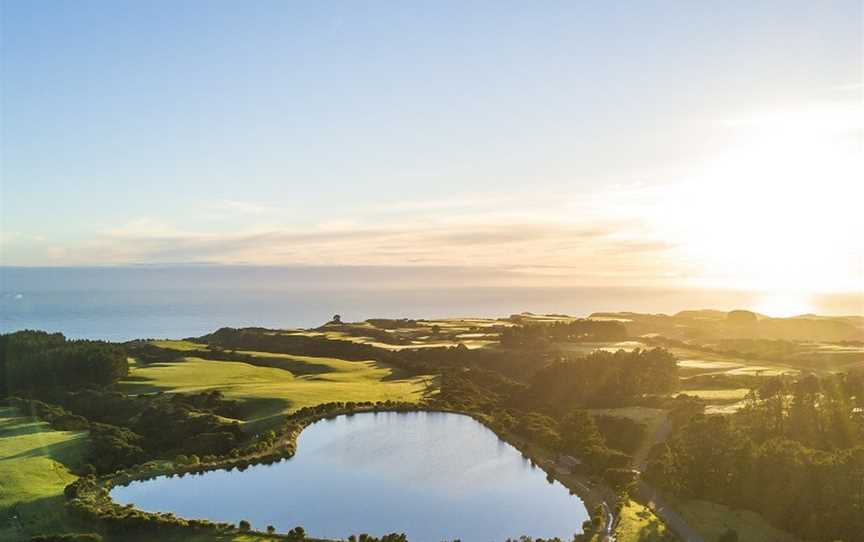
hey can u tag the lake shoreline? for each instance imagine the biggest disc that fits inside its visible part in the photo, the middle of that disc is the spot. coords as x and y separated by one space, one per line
100 503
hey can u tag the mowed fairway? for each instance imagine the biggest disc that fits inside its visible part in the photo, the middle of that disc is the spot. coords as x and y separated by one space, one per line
268 392
33 473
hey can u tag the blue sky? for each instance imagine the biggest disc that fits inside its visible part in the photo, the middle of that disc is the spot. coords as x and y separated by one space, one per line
544 136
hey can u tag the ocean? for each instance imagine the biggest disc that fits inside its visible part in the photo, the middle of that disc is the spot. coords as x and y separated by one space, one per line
126 303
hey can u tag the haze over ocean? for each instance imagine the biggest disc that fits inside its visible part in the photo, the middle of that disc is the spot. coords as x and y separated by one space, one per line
124 303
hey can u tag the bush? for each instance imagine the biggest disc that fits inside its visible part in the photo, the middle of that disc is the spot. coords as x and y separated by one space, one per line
297 534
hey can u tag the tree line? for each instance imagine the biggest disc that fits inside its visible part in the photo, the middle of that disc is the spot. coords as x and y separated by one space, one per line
537 335
602 379
34 360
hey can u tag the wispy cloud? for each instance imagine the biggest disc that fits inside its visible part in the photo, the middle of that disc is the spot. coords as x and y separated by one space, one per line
779 205
516 246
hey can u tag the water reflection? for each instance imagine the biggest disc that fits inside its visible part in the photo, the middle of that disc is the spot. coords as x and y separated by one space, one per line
434 476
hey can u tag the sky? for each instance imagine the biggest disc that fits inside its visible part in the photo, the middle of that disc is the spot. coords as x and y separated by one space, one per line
592 143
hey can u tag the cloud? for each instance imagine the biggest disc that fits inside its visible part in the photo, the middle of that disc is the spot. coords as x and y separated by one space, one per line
562 250
777 205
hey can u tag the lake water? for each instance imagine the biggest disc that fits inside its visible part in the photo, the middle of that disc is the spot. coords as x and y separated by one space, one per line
433 476
173 302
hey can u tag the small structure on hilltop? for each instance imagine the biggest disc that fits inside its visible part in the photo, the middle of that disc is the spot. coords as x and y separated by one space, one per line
337 319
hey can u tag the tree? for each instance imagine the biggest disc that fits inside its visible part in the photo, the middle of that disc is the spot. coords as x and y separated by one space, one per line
579 432
244 526
271 529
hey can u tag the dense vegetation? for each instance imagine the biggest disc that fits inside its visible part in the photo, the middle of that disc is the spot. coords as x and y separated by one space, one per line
795 454
602 379
36 360
127 430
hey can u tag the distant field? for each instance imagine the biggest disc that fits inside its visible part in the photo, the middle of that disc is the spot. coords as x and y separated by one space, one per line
694 363
33 473
588 347
711 520
725 408
451 335
178 345
268 391
721 401
731 394
694 367
700 364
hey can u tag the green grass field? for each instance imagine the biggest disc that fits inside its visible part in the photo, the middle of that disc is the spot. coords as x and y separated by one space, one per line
268 392
711 520
639 524
34 462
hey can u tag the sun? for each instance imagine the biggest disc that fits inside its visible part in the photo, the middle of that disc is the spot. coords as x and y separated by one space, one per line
777 211
784 304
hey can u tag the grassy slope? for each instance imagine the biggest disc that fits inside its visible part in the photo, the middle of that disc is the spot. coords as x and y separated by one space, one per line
269 391
712 520
33 473
639 524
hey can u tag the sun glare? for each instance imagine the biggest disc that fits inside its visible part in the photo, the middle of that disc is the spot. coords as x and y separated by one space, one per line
778 211
784 304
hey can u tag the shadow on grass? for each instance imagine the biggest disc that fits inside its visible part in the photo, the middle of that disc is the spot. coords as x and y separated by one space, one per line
16 427
253 409
395 374
68 452
45 515
294 366
653 530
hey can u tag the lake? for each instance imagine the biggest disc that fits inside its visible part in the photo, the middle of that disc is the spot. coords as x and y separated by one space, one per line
434 476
